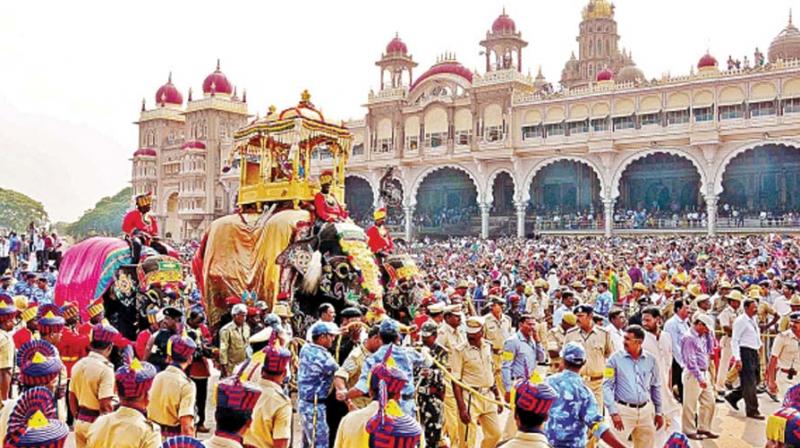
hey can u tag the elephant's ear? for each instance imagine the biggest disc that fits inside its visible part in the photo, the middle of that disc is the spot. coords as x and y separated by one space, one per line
313 274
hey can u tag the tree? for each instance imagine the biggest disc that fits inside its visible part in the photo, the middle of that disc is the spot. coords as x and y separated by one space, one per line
18 210
104 219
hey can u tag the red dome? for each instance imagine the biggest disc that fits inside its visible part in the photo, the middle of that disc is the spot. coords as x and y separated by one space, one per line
451 67
145 152
217 82
707 61
605 75
168 93
504 24
396 46
193 144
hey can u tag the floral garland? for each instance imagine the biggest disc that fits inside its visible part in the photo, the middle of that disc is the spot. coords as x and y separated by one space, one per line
352 240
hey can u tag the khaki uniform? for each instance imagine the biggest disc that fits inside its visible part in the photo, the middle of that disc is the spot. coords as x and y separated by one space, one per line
725 319
528 440
5 414
449 338
787 349
599 347
124 428
496 331
6 350
233 342
221 442
350 371
352 431
92 381
172 396
474 367
554 343
272 418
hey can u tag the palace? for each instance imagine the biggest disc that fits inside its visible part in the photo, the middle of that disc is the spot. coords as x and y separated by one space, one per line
607 150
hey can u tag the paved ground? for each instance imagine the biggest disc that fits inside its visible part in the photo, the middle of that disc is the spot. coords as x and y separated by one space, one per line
736 430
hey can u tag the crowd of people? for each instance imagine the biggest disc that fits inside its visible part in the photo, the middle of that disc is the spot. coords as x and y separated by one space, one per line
556 341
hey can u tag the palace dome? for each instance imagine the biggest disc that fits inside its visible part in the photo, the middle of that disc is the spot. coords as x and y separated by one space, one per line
168 93
707 61
145 152
786 44
451 67
630 73
396 46
605 75
217 82
304 109
504 24
193 144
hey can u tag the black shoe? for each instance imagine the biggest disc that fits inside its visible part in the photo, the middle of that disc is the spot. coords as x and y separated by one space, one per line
720 398
694 436
773 397
728 386
756 416
760 389
732 403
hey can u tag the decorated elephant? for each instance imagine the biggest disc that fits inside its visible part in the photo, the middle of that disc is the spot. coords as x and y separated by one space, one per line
100 268
403 287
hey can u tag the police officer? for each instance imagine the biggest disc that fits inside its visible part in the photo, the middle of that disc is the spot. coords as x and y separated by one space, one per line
234 413
575 410
431 390
598 345
555 340
156 348
522 352
347 375
498 329
91 390
127 427
532 403
784 362
314 379
449 335
173 394
233 339
471 364
272 420
725 320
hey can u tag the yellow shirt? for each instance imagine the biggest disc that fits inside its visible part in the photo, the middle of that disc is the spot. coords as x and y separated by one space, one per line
233 342
497 330
172 396
272 417
598 346
6 350
352 431
92 380
351 370
124 428
449 337
528 440
787 350
473 365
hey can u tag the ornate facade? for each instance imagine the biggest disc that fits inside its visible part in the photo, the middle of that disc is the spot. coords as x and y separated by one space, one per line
183 150
504 142
506 130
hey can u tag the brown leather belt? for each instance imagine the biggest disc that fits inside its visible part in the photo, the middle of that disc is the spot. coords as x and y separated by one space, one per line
593 378
87 415
170 431
632 405
786 371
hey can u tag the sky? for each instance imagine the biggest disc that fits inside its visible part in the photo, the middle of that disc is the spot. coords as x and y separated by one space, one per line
73 74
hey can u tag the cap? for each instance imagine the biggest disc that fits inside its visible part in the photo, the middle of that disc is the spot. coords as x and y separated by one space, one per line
754 293
321 328
474 325
7 308
784 427
452 309
705 319
237 396
436 308
252 311
38 363
21 302
497 299
577 285
794 316
282 310
182 442
573 353
276 358
29 313
135 378
591 278
694 290
640 287
239 308
232 300
50 320
261 336
429 328
583 308
792 397
181 348
677 440
389 326
379 214
96 307
535 398
795 300
570 318
34 423
462 284
390 428
701 298
69 310
735 295
540 283
351 313
172 312
103 333
325 177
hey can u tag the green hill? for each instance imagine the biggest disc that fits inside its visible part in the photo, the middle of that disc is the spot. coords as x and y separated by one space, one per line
18 210
104 219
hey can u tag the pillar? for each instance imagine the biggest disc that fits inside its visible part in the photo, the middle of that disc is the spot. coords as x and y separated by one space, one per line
409 211
608 208
711 213
485 207
520 208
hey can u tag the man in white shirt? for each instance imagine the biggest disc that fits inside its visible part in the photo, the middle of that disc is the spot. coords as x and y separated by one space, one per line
615 328
745 343
677 326
725 320
5 254
659 343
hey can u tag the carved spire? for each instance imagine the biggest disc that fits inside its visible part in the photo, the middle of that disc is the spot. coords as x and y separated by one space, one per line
244 95
169 77
217 64
143 107
190 94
